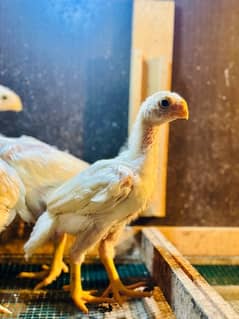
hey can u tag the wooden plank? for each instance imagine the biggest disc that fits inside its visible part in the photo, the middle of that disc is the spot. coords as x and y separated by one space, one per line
151 68
153 29
229 292
136 83
204 241
159 77
185 289
213 260
160 305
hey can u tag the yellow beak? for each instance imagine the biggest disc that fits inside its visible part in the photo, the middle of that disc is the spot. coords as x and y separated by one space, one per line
185 112
180 110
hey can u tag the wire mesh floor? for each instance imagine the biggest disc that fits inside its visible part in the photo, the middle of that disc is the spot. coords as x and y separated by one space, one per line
220 274
225 279
17 294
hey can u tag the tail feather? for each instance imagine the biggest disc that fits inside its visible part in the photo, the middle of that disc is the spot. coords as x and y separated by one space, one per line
41 233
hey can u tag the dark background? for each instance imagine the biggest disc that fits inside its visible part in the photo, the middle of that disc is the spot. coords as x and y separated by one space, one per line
69 61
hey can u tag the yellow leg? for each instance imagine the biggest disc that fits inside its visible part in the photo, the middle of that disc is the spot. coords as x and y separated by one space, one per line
119 290
56 267
79 296
4 310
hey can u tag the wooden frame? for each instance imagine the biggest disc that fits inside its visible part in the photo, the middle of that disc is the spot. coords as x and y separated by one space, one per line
205 245
186 291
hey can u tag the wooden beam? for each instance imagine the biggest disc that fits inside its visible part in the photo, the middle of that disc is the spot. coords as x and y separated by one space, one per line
136 83
159 77
204 241
153 28
151 68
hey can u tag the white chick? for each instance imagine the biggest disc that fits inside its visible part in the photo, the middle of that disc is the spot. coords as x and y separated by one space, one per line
98 203
34 169
10 184
41 168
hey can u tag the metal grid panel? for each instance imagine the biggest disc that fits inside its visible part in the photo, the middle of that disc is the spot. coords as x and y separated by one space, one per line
220 274
17 294
225 278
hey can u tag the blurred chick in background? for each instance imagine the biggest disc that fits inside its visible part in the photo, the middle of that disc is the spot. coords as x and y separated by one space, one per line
41 168
29 171
10 184
98 203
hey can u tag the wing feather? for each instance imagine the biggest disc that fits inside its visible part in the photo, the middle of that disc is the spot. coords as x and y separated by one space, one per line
90 193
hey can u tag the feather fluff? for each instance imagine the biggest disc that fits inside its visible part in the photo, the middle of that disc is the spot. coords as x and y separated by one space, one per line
40 168
42 232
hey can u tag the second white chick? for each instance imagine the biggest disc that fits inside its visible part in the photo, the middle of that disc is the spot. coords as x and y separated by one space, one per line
40 168
29 171
97 204
10 184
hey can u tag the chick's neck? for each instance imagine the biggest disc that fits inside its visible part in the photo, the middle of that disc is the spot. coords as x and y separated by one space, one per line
144 145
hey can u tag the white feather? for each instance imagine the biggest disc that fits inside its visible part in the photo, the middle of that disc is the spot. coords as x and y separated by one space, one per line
41 233
41 168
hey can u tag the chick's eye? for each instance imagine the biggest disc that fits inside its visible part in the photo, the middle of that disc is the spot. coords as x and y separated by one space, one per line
165 103
4 97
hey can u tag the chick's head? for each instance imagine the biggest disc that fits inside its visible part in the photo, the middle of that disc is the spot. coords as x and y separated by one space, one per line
9 100
164 106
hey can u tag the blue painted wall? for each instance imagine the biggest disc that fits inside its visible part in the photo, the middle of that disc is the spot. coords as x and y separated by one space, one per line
69 61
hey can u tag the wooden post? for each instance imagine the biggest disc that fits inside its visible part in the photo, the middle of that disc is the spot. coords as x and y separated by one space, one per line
151 61
159 78
136 82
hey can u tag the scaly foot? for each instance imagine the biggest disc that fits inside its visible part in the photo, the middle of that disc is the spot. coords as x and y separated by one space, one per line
122 292
81 298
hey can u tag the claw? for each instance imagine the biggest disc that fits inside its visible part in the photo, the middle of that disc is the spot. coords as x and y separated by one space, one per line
51 276
139 284
118 289
48 275
65 268
122 292
81 298
35 275
80 304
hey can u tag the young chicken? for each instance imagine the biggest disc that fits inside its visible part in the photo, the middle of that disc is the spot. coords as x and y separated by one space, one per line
29 171
97 203
10 184
41 168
